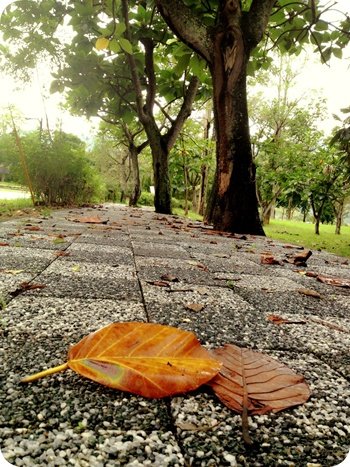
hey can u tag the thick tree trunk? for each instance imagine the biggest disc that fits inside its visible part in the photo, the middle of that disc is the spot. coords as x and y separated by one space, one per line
162 194
233 205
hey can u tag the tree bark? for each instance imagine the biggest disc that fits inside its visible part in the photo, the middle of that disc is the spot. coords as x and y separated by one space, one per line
339 216
233 205
135 177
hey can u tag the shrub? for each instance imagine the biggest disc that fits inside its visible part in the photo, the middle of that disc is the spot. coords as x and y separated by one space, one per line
60 171
146 199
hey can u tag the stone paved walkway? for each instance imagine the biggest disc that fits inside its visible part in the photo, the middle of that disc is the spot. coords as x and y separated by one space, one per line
95 274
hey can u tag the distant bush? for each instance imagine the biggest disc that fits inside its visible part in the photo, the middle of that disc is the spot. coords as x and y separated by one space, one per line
180 203
146 199
60 171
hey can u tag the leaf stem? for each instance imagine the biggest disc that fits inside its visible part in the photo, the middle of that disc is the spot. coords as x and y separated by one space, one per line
245 427
41 374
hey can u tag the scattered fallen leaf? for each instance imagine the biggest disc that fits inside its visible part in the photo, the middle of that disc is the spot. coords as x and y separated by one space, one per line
335 281
13 271
311 274
269 259
309 293
194 307
253 383
89 220
197 264
279 320
276 319
75 268
4 244
148 359
24 286
300 258
159 283
33 228
58 240
328 324
169 278
61 253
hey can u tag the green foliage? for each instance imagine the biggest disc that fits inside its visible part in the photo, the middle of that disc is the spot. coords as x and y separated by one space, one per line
146 199
58 167
302 233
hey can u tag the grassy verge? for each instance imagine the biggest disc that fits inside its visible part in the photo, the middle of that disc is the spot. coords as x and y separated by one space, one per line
301 233
10 207
191 215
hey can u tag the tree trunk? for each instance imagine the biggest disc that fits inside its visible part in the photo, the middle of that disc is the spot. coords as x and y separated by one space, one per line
162 189
233 205
135 191
226 47
339 216
317 225
203 189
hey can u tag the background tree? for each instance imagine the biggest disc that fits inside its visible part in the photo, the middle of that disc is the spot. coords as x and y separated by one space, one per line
92 66
226 35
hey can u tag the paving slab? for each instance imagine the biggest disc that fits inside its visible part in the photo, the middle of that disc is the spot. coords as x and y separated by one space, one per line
136 265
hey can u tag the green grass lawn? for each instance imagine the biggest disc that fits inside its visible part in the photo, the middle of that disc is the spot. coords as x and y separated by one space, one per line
9 207
301 233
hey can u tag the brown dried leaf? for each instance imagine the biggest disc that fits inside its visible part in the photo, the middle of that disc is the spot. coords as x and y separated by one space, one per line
33 228
4 244
310 293
90 220
301 258
269 259
159 283
276 319
198 264
169 278
253 383
310 274
194 307
30 286
335 281
61 253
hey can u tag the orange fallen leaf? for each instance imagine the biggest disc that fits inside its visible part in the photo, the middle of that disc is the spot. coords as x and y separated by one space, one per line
148 359
4 244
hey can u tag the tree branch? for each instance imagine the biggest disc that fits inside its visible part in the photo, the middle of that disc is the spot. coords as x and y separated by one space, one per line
184 113
256 21
132 63
186 25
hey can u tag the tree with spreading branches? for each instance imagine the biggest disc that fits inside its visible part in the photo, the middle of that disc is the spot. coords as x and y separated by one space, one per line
233 38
